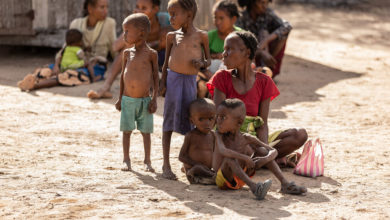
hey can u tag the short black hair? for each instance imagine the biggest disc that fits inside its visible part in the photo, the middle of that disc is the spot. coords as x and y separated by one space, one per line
73 36
232 103
228 6
250 41
187 5
139 20
205 103
247 3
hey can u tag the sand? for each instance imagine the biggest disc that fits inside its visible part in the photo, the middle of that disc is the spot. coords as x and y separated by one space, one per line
61 153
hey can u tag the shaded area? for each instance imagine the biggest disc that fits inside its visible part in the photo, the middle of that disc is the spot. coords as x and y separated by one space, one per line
301 79
244 204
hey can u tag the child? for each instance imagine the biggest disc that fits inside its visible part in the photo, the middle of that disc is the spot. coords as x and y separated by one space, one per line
73 58
235 169
139 75
198 147
225 15
186 51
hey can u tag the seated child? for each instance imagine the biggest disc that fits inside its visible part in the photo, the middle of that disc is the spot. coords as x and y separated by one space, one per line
73 58
197 150
233 153
139 75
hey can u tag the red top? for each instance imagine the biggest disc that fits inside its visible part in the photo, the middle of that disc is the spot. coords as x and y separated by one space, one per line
263 88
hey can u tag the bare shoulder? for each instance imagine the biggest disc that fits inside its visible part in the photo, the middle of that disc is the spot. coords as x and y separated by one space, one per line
152 52
201 33
171 35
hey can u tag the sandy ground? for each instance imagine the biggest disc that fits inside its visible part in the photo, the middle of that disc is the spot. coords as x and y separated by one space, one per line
61 153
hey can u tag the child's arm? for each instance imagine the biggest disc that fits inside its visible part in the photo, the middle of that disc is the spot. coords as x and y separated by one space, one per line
170 37
206 62
254 141
153 103
225 152
262 132
122 86
183 155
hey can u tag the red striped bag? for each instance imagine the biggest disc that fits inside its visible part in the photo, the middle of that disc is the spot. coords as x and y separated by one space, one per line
311 163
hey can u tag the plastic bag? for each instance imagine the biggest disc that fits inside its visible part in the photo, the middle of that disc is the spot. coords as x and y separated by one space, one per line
311 162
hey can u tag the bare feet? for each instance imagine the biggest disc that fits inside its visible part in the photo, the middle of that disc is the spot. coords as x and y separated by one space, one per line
27 83
99 94
149 168
168 174
126 165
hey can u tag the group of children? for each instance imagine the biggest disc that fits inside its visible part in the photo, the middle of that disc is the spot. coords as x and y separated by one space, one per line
225 157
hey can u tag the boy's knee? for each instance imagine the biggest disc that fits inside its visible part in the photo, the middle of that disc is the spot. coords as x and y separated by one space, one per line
145 134
127 132
261 151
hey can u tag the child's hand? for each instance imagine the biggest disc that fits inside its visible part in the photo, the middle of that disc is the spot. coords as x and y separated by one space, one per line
162 88
118 105
152 106
198 63
250 163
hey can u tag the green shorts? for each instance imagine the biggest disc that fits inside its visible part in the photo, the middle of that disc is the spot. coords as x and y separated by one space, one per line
135 114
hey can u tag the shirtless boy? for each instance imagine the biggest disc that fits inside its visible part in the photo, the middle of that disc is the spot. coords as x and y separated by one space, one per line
187 50
139 75
233 152
197 150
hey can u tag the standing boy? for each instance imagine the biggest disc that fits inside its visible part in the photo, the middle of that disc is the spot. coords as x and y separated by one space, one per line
139 75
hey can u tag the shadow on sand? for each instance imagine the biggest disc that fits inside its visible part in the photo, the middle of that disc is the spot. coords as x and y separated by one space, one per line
211 200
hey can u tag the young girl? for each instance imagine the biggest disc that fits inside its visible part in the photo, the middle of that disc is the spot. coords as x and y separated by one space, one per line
187 51
225 15
271 32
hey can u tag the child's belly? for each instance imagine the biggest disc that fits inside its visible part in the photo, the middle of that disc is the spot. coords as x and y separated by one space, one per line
180 60
203 157
137 86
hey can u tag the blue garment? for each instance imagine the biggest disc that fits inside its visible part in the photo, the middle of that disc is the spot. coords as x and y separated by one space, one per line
98 69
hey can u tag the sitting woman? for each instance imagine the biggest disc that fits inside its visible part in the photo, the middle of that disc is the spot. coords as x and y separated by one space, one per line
160 26
225 15
271 32
98 35
256 90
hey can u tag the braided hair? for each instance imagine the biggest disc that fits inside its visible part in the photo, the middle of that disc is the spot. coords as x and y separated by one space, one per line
249 40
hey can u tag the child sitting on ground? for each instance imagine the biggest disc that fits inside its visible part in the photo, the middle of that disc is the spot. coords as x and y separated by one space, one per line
198 147
233 153
139 75
187 51
73 58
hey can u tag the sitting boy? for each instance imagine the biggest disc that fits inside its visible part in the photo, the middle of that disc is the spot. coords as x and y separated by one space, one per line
232 157
197 150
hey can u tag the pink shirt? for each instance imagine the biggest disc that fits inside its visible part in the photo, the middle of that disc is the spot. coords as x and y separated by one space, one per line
263 88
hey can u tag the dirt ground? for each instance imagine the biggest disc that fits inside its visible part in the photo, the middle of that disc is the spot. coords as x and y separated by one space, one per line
61 153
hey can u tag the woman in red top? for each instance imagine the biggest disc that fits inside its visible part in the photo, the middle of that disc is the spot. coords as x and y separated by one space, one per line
256 90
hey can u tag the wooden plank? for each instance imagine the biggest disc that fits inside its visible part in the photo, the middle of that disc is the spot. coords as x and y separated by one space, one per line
15 17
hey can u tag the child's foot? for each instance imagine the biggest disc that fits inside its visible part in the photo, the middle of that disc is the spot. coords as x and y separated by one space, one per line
292 188
27 83
262 189
126 165
149 168
99 94
168 174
